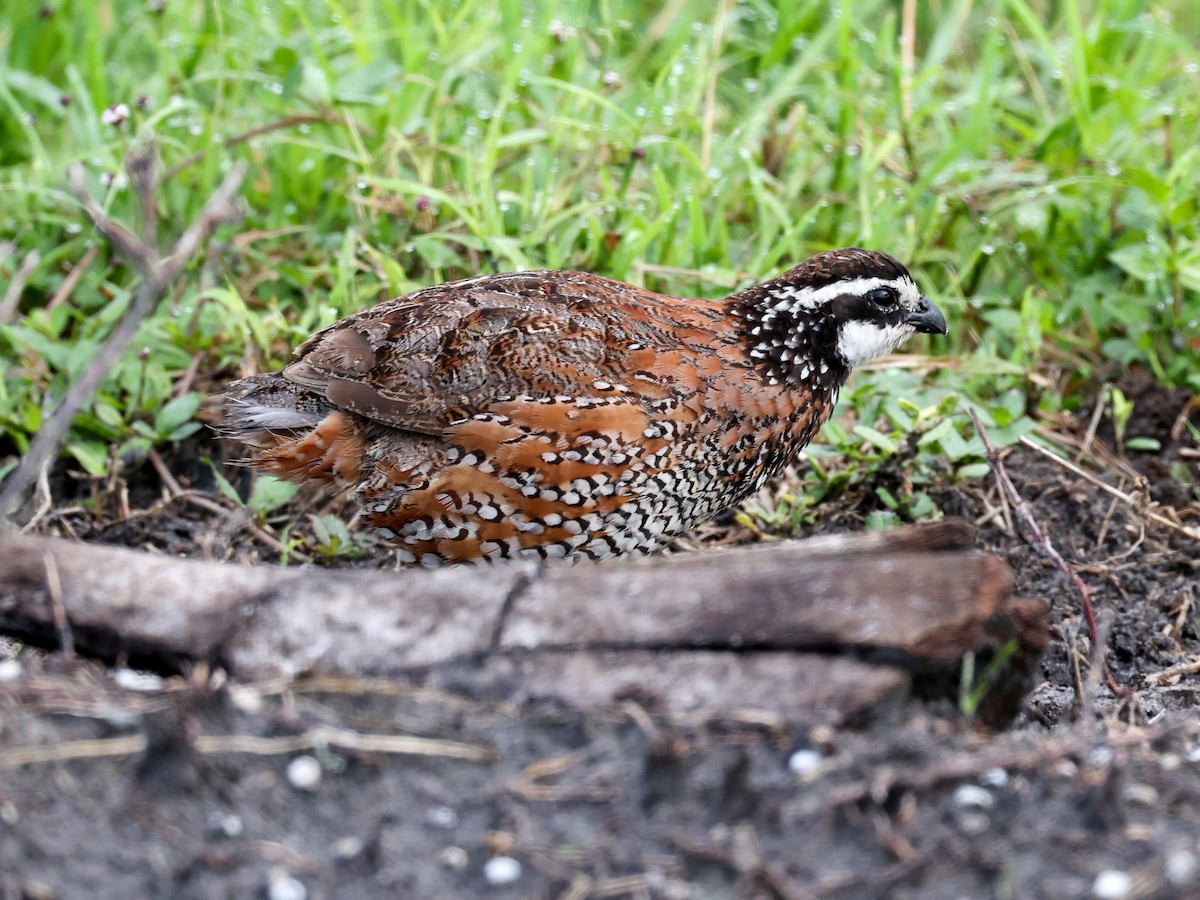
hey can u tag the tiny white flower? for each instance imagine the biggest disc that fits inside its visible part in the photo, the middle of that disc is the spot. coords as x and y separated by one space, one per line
118 181
115 115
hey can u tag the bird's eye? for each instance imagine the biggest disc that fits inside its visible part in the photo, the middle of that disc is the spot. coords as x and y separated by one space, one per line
883 297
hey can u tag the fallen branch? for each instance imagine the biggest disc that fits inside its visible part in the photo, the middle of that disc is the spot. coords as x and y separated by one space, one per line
157 276
850 617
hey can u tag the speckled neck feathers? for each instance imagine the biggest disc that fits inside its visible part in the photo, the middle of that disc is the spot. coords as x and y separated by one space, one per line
792 323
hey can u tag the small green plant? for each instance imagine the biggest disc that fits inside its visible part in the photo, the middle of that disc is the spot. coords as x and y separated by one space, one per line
884 464
267 495
333 540
267 502
1122 410
973 687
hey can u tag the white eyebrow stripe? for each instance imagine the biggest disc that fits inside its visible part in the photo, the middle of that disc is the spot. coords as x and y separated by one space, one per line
792 298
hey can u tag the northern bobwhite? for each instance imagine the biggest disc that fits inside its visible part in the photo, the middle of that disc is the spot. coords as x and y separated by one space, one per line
565 415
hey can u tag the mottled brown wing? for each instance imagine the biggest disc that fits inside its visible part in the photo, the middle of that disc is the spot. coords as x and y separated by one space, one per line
448 352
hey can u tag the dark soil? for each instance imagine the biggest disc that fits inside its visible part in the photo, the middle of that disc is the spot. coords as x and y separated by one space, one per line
1090 793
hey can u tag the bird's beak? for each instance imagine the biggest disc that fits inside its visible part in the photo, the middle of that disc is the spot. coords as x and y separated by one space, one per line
927 318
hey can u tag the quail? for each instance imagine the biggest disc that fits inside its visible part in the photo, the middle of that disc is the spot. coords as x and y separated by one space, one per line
560 414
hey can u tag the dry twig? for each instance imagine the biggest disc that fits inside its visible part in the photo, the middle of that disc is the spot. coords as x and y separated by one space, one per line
213 744
12 296
66 639
1164 677
63 294
964 766
157 275
1040 541
1134 503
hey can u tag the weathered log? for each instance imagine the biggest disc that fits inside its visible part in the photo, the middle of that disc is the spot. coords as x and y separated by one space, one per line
760 626
793 687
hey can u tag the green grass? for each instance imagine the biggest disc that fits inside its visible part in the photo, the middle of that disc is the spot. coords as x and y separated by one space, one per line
1044 182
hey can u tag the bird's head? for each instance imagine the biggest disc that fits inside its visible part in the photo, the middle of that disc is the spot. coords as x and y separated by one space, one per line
832 312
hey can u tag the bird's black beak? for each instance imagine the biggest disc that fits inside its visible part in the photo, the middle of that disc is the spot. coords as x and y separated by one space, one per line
927 318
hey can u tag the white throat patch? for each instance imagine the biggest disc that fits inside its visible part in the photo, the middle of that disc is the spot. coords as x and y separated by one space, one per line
859 342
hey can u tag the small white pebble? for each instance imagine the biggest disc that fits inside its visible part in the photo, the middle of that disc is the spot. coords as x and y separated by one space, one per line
287 889
283 886
246 699
10 670
454 858
973 822
441 817
501 870
304 772
1065 768
1180 868
1100 757
972 796
1112 885
347 848
1193 755
994 778
9 814
225 824
1140 795
804 761
138 681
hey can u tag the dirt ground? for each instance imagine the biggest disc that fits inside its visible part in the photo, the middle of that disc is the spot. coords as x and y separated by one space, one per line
1088 794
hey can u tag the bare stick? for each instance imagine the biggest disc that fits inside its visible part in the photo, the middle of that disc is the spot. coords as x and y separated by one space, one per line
157 275
66 639
1040 541
1094 424
142 166
120 238
1165 676
213 744
325 736
72 280
12 296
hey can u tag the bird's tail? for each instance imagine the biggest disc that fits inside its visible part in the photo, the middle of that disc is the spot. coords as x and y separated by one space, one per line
296 433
